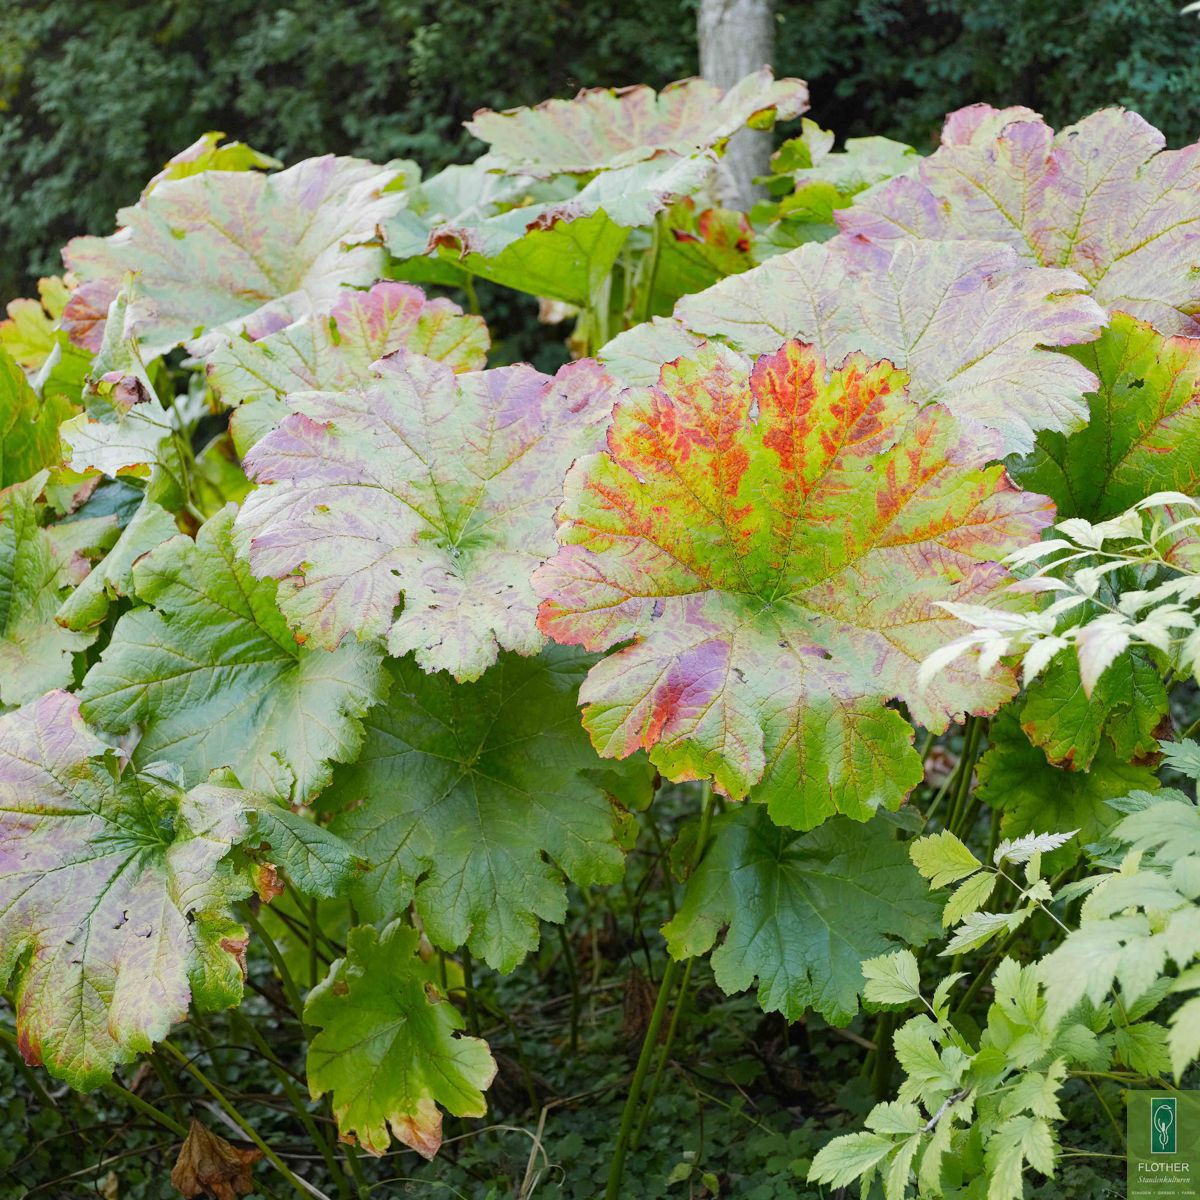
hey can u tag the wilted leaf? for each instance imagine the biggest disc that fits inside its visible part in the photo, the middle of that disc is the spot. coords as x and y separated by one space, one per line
208 1165
1101 197
604 128
803 910
388 1047
37 568
225 251
475 800
968 322
1143 435
1036 797
772 541
332 351
212 677
437 487
114 899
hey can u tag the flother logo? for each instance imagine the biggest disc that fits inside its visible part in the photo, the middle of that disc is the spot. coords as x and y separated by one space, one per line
1164 1125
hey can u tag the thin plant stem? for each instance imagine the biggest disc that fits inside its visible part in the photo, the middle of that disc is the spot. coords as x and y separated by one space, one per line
314 924
146 1108
297 1102
568 955
469 988
616 1171
663 1056
236 1117
281 968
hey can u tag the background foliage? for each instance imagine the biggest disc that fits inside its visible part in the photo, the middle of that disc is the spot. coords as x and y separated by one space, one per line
96 94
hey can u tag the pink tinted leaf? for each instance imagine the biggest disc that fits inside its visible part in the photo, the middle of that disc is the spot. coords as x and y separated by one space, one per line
1102 198
114 895
223 251
427 485
612 127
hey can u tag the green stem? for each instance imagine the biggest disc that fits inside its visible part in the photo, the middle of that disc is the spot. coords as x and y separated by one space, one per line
616 1171
663 1056
146 1109
568 954
281 969
469 987
966 768
236 1117
314 924
297 1102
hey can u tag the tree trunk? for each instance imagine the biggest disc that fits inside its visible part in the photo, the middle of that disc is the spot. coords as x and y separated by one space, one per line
737 37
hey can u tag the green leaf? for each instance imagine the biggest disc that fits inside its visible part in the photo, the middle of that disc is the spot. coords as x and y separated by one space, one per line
388 1048
316 860
1019 1141
29 334
112 577
562 247
213 678
1036 797
437 486
803 910
207 153
37 568
1127 705
942 858
765 544
892 978
1143 432
840 1162
475 800
28 426
114 895
1142 1047
969 898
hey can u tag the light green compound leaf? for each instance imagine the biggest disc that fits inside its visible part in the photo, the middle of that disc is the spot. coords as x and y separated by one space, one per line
968 322
1143 433
767 543
603 128
1020 1141
1036 797
840 1162
942 858
37 569
475 800
892 978
225 251
332 351
388 1049
421 483
803 910
213 678
28 426
114 895
969 898
1126 708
